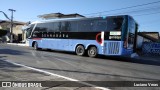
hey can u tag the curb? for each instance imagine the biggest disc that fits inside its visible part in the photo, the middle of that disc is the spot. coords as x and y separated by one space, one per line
19 44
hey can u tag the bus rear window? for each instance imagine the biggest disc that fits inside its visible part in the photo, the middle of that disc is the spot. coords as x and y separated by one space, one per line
114 23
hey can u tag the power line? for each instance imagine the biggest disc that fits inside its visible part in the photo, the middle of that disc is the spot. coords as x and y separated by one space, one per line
140 5
5 15
148 14
144 11
135 11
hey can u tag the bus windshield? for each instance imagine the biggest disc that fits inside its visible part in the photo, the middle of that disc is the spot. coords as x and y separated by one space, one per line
29 30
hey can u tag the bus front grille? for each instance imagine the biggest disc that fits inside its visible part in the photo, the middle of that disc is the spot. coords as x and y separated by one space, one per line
113 48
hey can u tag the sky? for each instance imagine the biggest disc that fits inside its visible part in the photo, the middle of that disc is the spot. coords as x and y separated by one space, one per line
147 16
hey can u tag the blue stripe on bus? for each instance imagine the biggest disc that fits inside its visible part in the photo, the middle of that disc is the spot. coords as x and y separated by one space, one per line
109 48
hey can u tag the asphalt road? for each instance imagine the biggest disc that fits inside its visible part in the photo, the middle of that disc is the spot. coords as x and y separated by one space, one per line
83 68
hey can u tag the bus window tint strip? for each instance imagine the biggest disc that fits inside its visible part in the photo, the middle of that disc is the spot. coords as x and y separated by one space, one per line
88 25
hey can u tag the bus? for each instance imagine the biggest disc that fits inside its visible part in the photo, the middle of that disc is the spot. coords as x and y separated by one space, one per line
109 36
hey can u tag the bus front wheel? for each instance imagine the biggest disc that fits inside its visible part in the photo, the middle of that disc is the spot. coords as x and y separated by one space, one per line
92 52
35 46
80 50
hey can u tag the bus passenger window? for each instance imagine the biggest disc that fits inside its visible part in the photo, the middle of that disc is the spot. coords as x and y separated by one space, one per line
41 27
49 27
101 26
65 26
73 26
85 26
56 26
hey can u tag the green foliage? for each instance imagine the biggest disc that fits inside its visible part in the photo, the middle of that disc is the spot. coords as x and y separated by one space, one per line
3 32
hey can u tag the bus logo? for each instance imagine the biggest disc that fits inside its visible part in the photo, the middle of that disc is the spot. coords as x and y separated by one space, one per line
101 41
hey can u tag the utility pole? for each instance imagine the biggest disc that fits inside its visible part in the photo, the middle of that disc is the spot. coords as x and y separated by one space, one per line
11 29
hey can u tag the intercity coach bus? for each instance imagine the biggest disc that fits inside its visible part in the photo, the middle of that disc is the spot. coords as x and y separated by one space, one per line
110 35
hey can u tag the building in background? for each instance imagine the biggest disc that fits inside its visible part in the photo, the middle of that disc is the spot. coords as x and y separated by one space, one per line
147 37
60 15
18 34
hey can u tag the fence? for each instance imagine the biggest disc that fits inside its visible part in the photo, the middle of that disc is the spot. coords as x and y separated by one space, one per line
151 48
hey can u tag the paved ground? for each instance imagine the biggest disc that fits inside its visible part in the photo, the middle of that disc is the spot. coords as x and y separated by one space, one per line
76 67
12 72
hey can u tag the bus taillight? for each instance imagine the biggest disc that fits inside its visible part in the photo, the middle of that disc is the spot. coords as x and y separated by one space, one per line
125 44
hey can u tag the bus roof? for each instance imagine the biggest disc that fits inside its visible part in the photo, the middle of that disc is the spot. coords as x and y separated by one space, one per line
79 18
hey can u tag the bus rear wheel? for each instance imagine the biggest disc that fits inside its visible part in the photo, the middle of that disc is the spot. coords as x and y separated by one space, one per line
92 51
80 50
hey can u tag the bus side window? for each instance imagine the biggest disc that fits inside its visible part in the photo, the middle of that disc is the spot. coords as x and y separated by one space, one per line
73 26
65 26
41 27
101 26
49 27
132 27
85 25
56 26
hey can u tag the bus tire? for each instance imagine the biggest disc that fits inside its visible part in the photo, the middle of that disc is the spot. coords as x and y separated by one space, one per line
80 50
35 46
92 51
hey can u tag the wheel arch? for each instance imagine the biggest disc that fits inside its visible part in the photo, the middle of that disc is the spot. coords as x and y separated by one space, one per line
92 45
78 45
33 43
